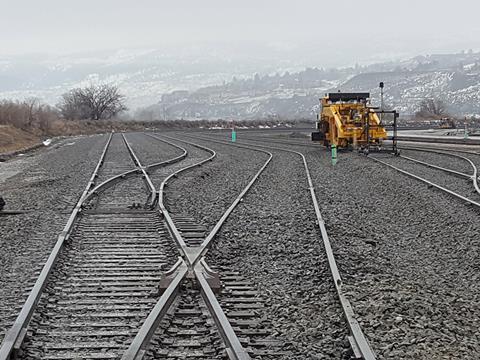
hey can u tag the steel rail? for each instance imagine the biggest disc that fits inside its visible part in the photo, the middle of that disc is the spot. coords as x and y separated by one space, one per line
439 148
139 345
114 179
186 251
429 183
137 348
146 178
171 161
450 171
473 177
203 249
15 336
359 344
438 140
235 350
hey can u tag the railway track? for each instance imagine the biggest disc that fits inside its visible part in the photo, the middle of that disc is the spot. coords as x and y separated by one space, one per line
100 283
169 340
360 346
98 296
470 158
468 194
430 348
97 282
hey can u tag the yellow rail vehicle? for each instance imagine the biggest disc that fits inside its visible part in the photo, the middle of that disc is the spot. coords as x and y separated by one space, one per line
346 120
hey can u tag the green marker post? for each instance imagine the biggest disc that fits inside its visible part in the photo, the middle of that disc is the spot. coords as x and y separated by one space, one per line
234 135
334 154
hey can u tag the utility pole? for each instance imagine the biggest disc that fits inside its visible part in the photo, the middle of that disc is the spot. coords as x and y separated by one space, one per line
381 85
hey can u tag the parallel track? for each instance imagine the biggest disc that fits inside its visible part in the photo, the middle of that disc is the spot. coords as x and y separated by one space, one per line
98 295
192 262
360 346
101 280
473 177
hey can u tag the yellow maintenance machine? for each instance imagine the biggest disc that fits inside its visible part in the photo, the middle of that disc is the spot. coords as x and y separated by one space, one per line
346 120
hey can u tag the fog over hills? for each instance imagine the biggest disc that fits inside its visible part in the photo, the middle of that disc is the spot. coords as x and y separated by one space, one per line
207 53
206 83
452 78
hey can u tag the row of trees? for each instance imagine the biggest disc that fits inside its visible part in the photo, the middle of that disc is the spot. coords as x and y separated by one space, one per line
104 102
101 102
28 114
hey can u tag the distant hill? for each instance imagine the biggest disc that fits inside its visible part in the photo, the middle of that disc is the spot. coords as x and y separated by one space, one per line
200 83
453 78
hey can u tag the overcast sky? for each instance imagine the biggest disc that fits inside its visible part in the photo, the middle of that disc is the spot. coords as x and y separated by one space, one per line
339 29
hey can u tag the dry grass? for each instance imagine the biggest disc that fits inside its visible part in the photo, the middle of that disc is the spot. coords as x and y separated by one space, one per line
13 139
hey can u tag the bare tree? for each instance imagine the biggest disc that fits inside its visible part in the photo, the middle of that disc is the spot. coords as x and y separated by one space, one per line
29 115
31 105
432 108
93 102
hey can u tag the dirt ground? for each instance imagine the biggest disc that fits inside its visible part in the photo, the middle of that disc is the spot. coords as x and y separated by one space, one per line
13 139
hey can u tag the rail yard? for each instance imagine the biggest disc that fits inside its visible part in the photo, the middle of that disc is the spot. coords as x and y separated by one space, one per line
187 245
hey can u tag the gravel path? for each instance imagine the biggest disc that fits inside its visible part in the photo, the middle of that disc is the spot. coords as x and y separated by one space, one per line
272 238
48 184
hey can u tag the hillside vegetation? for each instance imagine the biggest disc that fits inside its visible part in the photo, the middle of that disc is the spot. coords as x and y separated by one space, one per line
451 78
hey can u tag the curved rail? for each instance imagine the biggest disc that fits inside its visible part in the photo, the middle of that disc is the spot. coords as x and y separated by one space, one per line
473 177
15 336
429 183
403 147
359 344
447 170
186 251
198 267
146 178
205 245
113 180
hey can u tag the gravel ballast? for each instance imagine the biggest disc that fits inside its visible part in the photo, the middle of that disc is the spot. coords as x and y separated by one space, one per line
48 184
272 238
408 255
449 181
150 150
446 161
206 192
157 175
